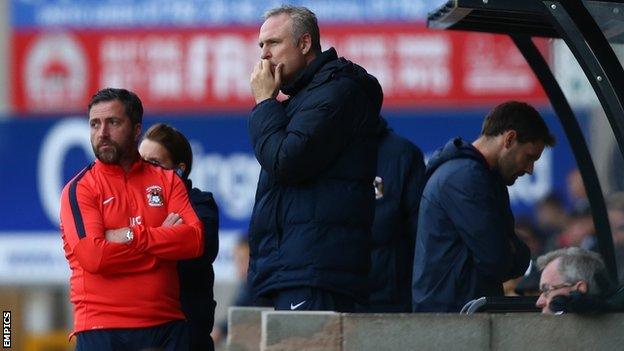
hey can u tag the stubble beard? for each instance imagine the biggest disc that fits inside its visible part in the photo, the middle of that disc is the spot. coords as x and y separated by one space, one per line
113 154
509 179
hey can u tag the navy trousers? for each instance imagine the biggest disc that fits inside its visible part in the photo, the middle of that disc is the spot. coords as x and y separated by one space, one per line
171 336
307 298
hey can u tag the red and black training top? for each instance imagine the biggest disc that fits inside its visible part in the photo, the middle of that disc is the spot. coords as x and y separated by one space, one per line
126 285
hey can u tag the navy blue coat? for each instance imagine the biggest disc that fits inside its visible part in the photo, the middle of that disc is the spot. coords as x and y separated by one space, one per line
197 275
400 177
311 223
466 245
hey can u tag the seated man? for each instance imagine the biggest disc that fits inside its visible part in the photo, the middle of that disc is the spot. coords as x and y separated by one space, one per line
567 270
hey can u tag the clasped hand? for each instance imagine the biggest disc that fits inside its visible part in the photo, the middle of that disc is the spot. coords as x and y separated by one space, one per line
119 235
264 83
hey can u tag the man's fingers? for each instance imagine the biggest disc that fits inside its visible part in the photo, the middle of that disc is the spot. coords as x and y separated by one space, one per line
171 219
263 81
256 71
266 65
278 74
258 67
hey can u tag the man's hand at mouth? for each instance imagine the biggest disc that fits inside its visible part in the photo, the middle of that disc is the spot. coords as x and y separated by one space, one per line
265 80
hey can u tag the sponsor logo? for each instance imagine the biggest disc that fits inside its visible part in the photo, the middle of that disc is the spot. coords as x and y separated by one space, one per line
54 76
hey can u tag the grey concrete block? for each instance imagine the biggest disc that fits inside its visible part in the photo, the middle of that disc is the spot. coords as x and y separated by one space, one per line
303 330
566 332
244 328
421 331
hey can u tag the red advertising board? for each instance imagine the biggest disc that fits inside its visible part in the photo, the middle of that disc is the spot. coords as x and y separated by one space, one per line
208 69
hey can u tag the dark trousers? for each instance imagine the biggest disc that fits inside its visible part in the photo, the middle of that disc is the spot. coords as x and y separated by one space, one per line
199 337
171 336
307 298
199 312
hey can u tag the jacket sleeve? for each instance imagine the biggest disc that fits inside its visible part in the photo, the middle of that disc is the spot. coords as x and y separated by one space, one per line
299 149
82 229
521 257
474 210
208 212
176 242
412 191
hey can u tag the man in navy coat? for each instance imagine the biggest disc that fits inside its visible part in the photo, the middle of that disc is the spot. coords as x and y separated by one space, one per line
466 246
398 185
310 229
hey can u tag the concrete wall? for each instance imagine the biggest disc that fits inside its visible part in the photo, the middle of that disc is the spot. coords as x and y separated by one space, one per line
415 332
567 332
244 328
329 331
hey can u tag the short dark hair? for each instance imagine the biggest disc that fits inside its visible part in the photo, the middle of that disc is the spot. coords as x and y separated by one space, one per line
132 104
303 21
175 142
521 117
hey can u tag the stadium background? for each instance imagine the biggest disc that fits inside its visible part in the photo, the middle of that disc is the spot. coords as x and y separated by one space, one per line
190 62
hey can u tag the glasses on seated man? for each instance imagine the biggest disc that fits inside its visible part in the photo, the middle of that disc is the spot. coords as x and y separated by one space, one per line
565 271
545 289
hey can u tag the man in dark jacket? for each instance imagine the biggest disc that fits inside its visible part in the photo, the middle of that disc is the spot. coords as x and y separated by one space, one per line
310 229
398 186
466 246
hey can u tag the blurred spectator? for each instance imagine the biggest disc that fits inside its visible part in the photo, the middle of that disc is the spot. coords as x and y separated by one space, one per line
576 192
466 245
615 206
526 231
565 271
165 146
310 230
551 218
579 231
398 186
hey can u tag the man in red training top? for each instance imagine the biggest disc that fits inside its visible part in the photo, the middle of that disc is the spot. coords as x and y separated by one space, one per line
124 223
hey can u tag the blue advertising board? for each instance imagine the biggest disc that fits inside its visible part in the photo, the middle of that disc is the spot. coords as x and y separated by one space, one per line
193 13
38 156
41 155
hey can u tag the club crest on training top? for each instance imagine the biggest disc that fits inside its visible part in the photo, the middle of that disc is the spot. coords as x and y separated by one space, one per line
154 195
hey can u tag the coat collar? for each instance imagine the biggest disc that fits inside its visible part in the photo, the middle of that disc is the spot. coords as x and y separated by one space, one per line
307 74
114 169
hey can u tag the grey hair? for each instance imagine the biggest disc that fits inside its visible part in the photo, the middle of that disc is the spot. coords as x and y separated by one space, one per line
575 264
303 21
